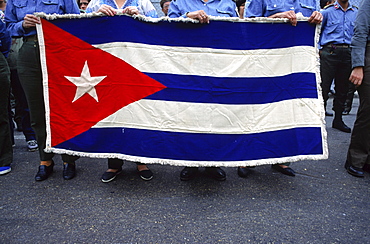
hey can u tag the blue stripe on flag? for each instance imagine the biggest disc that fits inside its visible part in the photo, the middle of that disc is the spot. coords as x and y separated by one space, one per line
261 90
239 35
199 147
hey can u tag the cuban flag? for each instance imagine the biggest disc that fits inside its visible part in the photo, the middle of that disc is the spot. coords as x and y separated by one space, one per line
172 91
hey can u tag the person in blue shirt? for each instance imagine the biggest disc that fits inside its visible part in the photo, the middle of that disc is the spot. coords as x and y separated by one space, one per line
6 149
202 10
358 156
284 9
110 7
21 22
335 55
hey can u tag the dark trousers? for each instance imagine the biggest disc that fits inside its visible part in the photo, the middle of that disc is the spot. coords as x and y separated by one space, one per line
115 163
30 76
359 148
335 64
21 107
349 99
6 149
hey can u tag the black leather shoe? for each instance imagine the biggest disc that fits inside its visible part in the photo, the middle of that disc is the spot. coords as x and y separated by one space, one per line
108 176
216 173
44 172
244 171
329 114
146 174
69 171
340 125
358 172
188 173
285 171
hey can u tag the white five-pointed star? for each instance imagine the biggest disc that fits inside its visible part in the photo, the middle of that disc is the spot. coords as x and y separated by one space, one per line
85 83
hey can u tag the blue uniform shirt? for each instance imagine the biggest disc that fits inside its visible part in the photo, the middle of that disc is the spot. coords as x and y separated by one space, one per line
223 8
337 25
16 10
266 8
145 7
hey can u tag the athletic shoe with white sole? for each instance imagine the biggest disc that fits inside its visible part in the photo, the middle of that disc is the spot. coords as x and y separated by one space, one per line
4 170
32 145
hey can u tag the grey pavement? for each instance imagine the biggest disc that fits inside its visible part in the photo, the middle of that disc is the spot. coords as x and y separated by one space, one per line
322 204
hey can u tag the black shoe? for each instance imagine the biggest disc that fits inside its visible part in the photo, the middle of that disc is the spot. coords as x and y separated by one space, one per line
146 174
340 125
244 171
216 173
44 172
69 171
285 171
188 173
109 176
329 114
358 172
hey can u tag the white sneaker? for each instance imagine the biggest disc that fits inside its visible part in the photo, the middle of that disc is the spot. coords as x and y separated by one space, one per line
32 145
4 170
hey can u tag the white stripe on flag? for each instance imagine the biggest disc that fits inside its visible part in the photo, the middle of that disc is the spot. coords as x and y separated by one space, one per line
225 63
216 118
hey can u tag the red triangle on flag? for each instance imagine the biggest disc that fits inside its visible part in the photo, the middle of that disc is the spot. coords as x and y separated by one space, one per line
66 56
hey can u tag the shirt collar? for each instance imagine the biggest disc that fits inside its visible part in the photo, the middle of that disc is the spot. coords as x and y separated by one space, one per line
337 6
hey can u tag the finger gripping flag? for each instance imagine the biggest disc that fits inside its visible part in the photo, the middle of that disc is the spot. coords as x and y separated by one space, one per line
173 91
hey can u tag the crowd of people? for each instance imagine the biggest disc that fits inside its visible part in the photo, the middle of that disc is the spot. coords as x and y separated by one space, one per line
344 60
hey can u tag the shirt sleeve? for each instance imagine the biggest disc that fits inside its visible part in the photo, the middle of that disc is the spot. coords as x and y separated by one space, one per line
5 40
323 24
14 14
93 6
71 7
13 24
174 10
361 35
254 9
147 9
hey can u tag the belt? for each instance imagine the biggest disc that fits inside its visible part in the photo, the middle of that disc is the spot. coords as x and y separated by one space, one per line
337 45
32 38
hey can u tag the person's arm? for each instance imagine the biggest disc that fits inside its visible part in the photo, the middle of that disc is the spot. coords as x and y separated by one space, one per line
174 10
287 14
359 40
357 75
315 18
5 40
20 20
323 26
14 25
360 36
199 15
